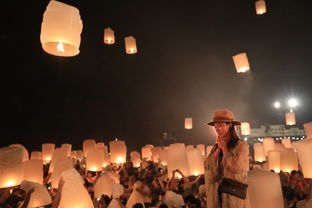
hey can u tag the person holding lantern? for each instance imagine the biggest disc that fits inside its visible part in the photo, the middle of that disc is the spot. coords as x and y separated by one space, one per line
227 161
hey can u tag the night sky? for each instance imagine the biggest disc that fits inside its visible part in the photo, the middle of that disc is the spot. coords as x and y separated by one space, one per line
183 68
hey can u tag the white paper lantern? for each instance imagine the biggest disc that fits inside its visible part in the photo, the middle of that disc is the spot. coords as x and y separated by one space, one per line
268 144
74 194
290 118
260 7
264 189
109 37
95 159
289 160
274 160
304 153
163 157
188 123
118 151
130 43
68 148
202 149
60 166
79 155
147 152
195 161
40 197
208 149
11 166
87 145
106 158
100 144
59 153
308 129
279 146
103 186
245 128
177 159
25 151
259 155
36 155
241 62
113 175
286 142
60 29
155 154
135 159
73 154
47 151
33 171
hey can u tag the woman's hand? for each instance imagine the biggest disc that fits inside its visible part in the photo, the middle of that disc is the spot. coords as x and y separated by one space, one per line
222 145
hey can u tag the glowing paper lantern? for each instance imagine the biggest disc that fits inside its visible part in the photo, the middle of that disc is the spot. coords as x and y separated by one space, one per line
177 159
74 194
289 160
135 159
195 161
118 151
40 197
308 129
109 37
260 7
35 155
59 153
25 151
79 155
208 149
163 157
202 149
290 118
279 146
68 148
245 128
87 145
287 143
33 171
304 154
115 176
73 154
268 144
11 166
60 166
47 151
188 123
100 144
60 29
264 189
274 160
241 62
147 152
155 153
130 43
106 158
95 159
103 186
259 155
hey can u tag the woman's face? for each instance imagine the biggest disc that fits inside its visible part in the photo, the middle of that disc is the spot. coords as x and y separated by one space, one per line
222 129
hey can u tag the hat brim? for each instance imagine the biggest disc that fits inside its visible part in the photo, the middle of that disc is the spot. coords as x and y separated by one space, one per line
224 121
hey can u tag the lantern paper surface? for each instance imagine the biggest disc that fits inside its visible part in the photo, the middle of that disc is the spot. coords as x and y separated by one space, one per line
109 36
279 146
115 176
245 128
163 157
59 153
286 142
188 123
68 148
264 189
155 153
74 194
177 159
33 171
202 149
147 152
95 159
289 160
260 7
130 43
103 186
47 151
274 160
60 166
100 144
195 161
118 151
308 129
79 155
290 118
87 145
40 197
36 155
11 166
73 154
60 29
25 151
106 159
135 159
241 63
268 144
304 154
259 155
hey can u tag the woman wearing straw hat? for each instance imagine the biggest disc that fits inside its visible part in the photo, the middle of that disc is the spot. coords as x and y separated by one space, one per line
228 159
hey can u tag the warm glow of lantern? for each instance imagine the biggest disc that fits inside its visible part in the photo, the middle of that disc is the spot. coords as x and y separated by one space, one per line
95 159
61 165
109 37
35 155
25 151
245 128
274 160
304 154
135 159
59 153
188 123
47 151
103 186
260 7
147 152
155 153
60 29
33 171
87 145
201 148
40 197
289 160
118 151
130 43
177 159
259 155
241 62
268 144
163 157
290 118
195 161
68 148
308 129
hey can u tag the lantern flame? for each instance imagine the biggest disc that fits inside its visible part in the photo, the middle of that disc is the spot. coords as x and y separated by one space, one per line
120 160
10 183
60 47
93 169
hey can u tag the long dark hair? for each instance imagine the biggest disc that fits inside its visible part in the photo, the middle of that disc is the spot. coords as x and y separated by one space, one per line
234 137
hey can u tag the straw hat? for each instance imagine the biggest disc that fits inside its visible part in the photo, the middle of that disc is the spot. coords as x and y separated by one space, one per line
223 116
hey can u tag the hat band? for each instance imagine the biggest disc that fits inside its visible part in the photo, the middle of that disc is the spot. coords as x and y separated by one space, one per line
216 119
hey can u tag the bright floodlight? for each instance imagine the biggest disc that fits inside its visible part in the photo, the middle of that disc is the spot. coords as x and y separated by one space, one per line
277 105
292 103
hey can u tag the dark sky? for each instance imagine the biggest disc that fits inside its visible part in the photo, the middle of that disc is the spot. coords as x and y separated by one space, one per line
183 68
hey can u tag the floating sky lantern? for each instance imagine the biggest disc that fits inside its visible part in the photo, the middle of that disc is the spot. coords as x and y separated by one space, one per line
289 160
286 142
59 153
260 7
25 151
131 47
163 157
304 153
290 118
245 128
177 159
241 62
36 155
308 129
188 123
195 161
118 151
274 160
60 166
155 153
33 171
268 144
135 159
103 186
60 29
259 155
95 159
106 159
47 151
109 37
147 152
87 145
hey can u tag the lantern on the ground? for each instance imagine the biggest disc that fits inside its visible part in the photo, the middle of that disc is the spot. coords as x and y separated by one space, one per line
308 129
109 37
241 62
25 151
289 160
103 186
268 144
95 159
147 152
40 197
259 155
195 161
290 118
74 194
177 159
245 128
260 7
47 151
130 43
11 166
33 171
274 160
304 153
118 151
35 155
87 145
264 189
60 29
60 166
286 142
188 123
202 149
135 159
